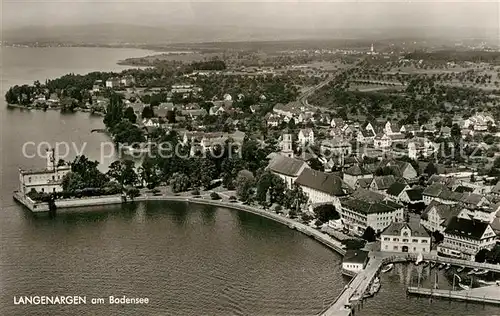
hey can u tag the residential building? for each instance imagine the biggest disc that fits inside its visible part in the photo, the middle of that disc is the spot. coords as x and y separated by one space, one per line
47 180
391 128
463 238
357 214
354 173
127 81
321 187
113 83
354 261
396 192
306 136
382 141
336 146
382 183
401 169
437 215
405 237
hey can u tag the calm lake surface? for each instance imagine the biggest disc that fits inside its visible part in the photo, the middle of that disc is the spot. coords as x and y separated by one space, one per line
187 259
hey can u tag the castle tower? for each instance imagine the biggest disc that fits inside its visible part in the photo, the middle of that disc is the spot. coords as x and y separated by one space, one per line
286 145
51 159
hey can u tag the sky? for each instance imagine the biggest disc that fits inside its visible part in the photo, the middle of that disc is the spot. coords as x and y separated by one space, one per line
361 14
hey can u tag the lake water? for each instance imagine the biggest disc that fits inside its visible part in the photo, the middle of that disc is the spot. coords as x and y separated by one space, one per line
187 259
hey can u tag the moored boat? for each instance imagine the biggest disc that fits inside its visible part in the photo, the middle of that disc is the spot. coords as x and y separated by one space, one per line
488 282
464 287
482 272
420 258
426 263
447 266
441 266
460 269
387 268
433 264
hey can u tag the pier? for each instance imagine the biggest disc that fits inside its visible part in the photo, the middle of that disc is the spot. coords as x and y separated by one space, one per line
487 294
353 292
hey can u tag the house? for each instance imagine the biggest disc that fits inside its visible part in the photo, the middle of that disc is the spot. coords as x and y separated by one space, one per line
396 191
137 107
98 84
365 136
391 128
336 146
382 141
412 196
354 173
405 237
419 146
382 183
113 83
127 81
151 122
409 129
337 122
306 136
216 110
47 180
401 169
287 168
195 114
437 215
354 262
358 214
445 132
463 238
321 187
479 122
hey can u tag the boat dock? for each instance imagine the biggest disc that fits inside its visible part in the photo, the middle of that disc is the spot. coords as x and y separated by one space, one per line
487 294
353 292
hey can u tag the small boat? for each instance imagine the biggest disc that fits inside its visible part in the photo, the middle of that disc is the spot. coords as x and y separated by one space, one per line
420 258
482 272
374 288
460 269
447 266
471 272
488 282
426 263
464 287
441 266
433 264
387 268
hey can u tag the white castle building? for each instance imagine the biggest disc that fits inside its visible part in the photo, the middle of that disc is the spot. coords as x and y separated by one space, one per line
47 180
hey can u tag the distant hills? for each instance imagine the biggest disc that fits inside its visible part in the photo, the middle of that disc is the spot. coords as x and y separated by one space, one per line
119 34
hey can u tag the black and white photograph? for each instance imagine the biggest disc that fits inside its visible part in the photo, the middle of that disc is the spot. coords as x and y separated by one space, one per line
249 158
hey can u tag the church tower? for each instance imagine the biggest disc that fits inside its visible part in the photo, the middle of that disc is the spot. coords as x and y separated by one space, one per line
286 145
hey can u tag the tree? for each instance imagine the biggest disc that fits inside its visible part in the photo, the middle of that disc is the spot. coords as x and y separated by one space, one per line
270 189
127 133
430 169
170 116
494 255
326 212
244 185
147 112
455 131
315 164
438 237
123 172
89 174
130 115
148 174
72 181
180 182
114 111
295 199
481 255
496 163
369 234
354 244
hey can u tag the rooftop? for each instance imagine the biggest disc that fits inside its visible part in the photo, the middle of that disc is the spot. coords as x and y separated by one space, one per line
395 230
324 182
286 165
466 228
355 256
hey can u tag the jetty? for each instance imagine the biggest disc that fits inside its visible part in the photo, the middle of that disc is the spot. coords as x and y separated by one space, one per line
486 295
353 292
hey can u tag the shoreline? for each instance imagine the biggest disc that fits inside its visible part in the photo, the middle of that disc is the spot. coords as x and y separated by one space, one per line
321 237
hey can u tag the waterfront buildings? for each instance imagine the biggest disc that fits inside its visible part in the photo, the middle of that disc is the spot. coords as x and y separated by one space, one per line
354 261
322 187
47 180
358 214
436 216
405 237
287 168
463 238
